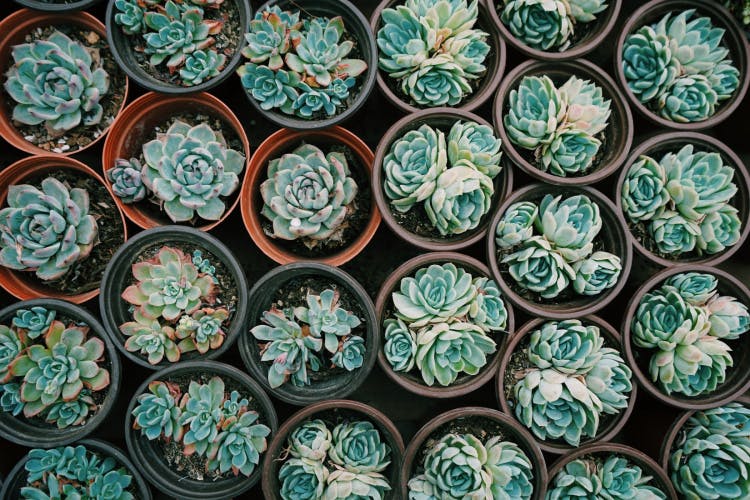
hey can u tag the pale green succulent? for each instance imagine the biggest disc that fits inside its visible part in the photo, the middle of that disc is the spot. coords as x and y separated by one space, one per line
571 152
272 89
174 32
201 66
648 63
570 224
203 330
539 268
488 309
351 354
111 486
694 41
158 413
325 318
474 145
578 479
10 399
695 288
35 321
664 319
611 380
598 272
692 369
535 110
343 484
69 413
568 346
621 478
129 16
358 447
310 441
420 488
729 317
725 79
150 338
201 415
540 24
438 81
719 230
400 346
454 467
462 196
510 469
588 111
12 342
644 192
673 233
448 17
689 99
126 180
268 40
404 39
239 444
302 479
516 225
585 10
469 49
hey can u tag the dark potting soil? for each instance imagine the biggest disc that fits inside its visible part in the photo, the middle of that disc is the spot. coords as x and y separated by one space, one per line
354 224
82 135
86 274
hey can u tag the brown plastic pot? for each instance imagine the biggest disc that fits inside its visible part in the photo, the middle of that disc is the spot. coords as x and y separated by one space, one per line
20 284
495 63
277 451
615 425
649 466
738 377
278 144
14 28
512 431
619 131
734 40
598 31
134 127
671 142
613 236
413 382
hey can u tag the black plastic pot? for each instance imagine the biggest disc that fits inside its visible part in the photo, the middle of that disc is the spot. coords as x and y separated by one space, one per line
118 275
121 50
57 7
40 435
335 387
17 477
356 24
147 454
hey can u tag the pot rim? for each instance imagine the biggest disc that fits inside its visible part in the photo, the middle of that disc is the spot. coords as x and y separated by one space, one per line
61 8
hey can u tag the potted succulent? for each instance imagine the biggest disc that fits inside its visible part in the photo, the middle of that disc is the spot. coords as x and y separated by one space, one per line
311 333
176 159
473 453
62 86
309 64
57 6
59 373
89 469
434 55
333 447
198 430
555 30
307 196
608 470
706 452
173 294
674 213
559 252
681 336
59 193
564 122
566 382
437 175
683 64
177 47
443 317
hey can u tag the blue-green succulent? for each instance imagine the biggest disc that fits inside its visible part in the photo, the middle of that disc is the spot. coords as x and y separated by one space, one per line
568 346
158 412
358 447
600 271
10 398
400 345
517 224
272 89
69 413
201 66
694 288
302 479
674 234
405 40
488 309
311 440
571 152
648 63
130 16
12 343
462 196
535 110
611 380
543 25
453 467
175 32
510 469
239 444
202 331
570 224
537 267
351 354
150 338
644 192
475 145
343 484
719 230
201 415
729 317
326 318
126 181
268 39
35 321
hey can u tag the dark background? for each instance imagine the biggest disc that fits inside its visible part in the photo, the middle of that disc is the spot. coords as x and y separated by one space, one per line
648 423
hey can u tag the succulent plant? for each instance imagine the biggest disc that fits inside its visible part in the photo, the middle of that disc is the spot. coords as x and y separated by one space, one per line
695 288
351 354
12 343
68 413
130 16
152 339
719 230
664 318
729 317
200 66
568 346
204 264
312 100
449 17
267 40
585 10
302 479
420 488
190 169
469 49
41 462
725 79
571 152
400 345
272 89
35 321
234 405
691 369
343 484
57 82
201 414
46 230
535 109
474 145
438 81
689 99
10 398
674 234
158 412
125 177
462 196
540 24
404 39
570 224
648 63
111 486
622 478
596 273
202 330
611 380
308 195
516 225
587 109
454 468
357 447
310 441
325 318
539 268
644 192
488 309
168 285
510 470
239 444
695 42
577 479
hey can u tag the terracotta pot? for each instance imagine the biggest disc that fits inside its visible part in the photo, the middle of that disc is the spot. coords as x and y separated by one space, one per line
14 28
618 134
442 118
21 284
285 141
413 382
648 465
135 127
125 57
661 144
495 63
613 236
338 408
738 377
512 431
734 40
335 387
615 425
57 7
356 25
148 455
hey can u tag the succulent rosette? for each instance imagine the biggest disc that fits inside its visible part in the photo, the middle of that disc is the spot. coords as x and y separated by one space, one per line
535 109
539 268
516 224
461 197
644 192
543 25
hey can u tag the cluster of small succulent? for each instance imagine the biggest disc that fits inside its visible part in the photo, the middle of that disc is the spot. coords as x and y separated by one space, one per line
177 33
572 381
297 339
432 50
494 469
309 196
562 254
74 473
48 369
679 67
560 125
607 478
452 177
684 199
347 462
187 171
711 455
442 320
685 322
548 24
300 66
174 307
209 421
